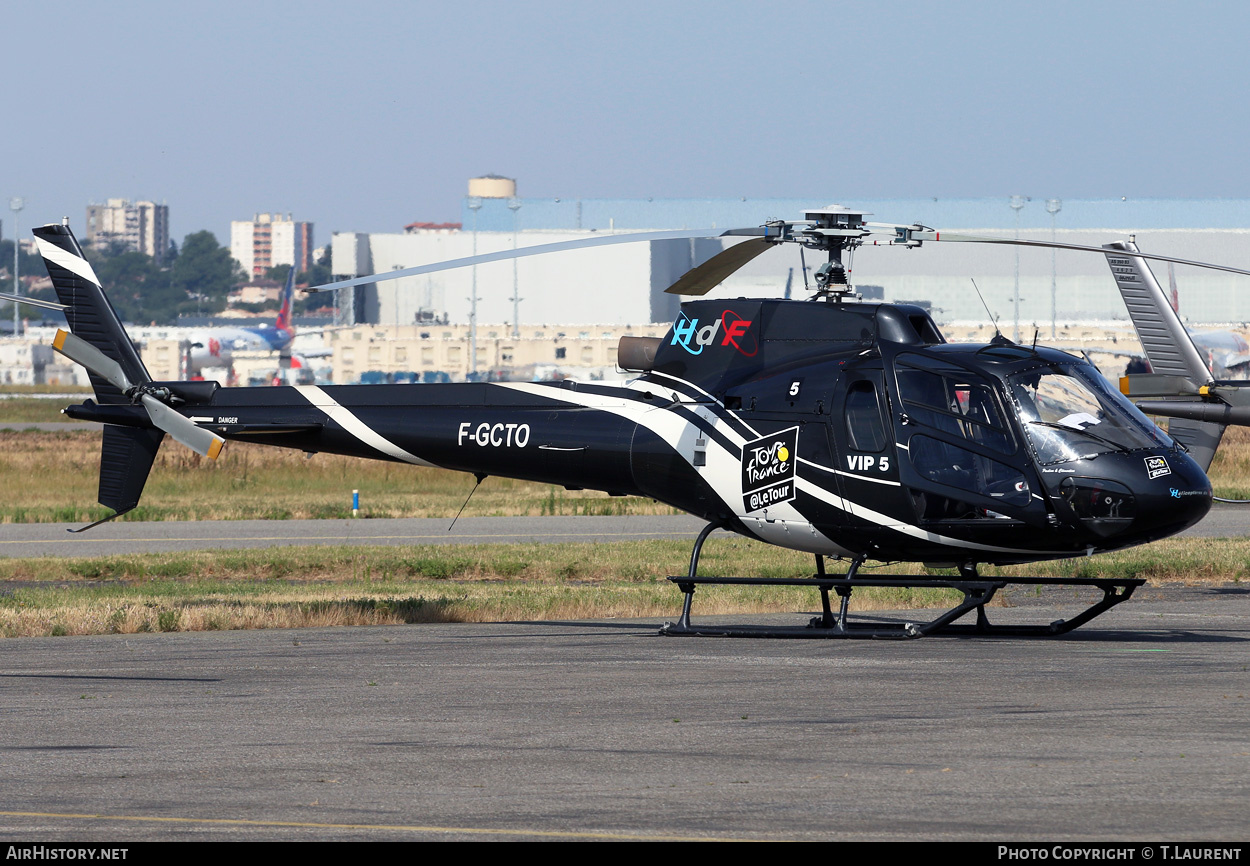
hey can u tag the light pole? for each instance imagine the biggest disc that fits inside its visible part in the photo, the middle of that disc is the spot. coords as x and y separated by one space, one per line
475 205
514 205
15 205
1017 202
1053 206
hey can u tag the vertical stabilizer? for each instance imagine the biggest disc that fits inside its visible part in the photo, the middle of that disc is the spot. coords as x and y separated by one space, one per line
126 459
1167 344
284 308
87 309
126 453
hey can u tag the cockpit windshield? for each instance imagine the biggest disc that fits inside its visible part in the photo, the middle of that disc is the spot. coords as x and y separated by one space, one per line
1070 412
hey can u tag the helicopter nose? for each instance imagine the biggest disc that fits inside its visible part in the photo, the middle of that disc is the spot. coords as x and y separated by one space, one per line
1173 511
1175 502
1129 511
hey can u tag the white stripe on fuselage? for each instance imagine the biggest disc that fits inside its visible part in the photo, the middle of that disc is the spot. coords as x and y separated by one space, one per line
343 416
725 479
723 471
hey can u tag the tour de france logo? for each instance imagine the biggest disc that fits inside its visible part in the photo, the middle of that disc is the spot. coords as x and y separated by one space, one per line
768 469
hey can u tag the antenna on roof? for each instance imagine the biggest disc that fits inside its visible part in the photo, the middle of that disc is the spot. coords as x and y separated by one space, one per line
997 333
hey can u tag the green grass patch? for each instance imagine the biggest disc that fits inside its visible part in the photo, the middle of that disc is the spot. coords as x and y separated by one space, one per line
327 586
28 410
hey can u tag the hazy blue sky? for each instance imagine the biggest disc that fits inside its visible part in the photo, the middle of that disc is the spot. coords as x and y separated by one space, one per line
369 115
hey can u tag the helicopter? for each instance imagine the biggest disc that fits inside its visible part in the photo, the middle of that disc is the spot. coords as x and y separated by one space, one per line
833 426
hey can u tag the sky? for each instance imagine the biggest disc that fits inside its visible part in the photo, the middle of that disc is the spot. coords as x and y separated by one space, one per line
366 116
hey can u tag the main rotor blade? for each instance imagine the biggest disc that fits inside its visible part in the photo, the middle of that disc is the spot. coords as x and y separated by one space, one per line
196 438
703 278
951 237
80 351
542 249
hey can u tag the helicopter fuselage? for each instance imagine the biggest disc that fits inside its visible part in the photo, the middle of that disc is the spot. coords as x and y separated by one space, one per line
843 429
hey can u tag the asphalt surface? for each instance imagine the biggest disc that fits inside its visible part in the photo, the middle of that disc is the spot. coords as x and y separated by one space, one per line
1133 729
53 539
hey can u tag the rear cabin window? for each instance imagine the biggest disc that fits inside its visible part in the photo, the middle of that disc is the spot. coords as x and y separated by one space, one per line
863 417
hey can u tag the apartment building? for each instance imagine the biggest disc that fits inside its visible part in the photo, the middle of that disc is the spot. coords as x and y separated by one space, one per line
141 226
269 240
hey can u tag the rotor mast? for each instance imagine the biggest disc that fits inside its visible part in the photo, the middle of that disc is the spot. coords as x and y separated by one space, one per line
835 230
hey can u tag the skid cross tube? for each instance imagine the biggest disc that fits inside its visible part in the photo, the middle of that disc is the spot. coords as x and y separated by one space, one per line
977 592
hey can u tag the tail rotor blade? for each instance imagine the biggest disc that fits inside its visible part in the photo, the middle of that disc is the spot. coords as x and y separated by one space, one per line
196 438
80 351
183 430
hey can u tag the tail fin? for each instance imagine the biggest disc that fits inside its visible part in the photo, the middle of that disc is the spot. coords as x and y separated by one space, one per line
288 294
1168 345
87 309
127 453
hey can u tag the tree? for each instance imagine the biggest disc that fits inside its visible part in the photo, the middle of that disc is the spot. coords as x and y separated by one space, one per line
30 265
135 285
196 279
204 272
319 274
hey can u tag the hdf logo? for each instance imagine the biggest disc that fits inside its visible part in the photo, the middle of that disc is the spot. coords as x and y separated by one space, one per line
692 338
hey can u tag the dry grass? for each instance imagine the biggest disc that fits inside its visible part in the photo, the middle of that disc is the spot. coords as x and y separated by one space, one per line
339 586
1230 470
319 586
420 603
256 482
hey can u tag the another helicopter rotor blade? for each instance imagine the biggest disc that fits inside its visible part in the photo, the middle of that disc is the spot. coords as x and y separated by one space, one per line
541 249
187 432
180 428
34 302
703 278
950 237
80 351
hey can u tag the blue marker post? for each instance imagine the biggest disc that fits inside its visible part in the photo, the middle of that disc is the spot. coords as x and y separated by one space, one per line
355 503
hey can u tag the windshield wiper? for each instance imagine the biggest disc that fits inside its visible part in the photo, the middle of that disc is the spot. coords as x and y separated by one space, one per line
1112 445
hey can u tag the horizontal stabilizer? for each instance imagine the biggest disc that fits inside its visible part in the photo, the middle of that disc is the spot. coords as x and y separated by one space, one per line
1168 346
1210 413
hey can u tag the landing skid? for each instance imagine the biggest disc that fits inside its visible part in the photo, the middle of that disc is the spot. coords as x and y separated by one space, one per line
977 592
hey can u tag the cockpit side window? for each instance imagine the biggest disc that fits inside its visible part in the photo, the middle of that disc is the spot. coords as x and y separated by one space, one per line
956 402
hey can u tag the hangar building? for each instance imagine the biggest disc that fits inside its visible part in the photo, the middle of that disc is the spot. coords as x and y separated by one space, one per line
625 284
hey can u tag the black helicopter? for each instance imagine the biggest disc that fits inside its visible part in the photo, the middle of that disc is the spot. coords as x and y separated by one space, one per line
836 427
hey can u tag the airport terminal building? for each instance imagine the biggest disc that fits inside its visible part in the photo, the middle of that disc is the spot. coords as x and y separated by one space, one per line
624 284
